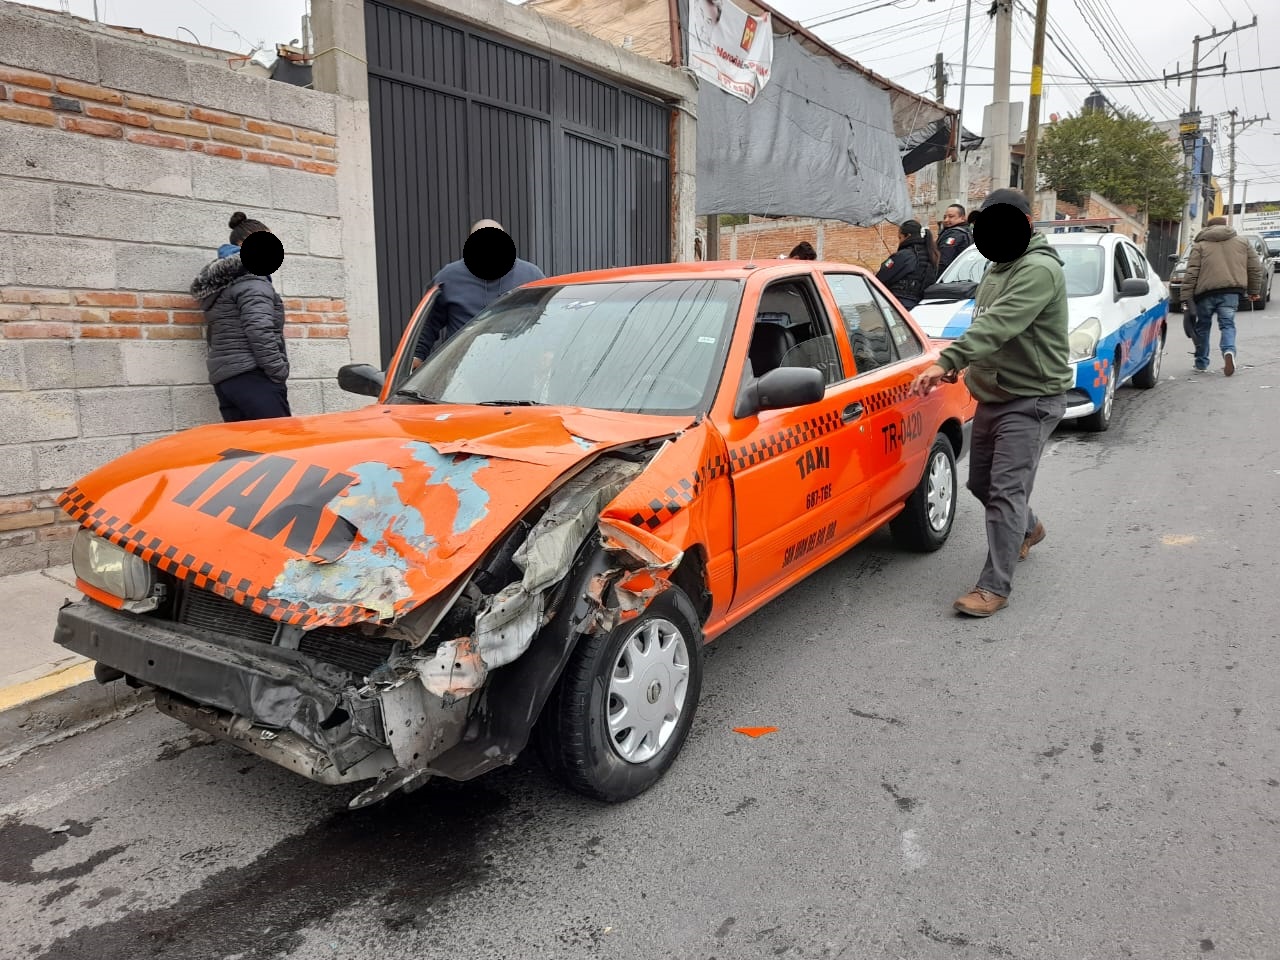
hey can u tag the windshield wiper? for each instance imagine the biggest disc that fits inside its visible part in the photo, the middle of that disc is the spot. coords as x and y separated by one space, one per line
415 395
510 403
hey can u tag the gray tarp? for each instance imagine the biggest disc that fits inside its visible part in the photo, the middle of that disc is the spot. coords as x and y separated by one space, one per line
829 152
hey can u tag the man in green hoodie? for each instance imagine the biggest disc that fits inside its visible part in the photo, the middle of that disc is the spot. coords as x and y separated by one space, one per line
1016 351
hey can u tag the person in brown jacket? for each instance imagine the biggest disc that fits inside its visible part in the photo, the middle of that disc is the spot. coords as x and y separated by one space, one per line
1222 268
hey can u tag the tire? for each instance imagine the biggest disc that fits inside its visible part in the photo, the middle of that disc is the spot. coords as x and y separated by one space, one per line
576 739
1149 375
925 522
1100 419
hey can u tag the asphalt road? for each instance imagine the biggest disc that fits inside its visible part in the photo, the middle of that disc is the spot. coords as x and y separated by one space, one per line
1092 773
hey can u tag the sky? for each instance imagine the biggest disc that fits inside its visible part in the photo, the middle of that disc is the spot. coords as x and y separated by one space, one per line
1102 39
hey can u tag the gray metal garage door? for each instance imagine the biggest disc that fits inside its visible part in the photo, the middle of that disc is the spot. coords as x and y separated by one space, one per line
466 125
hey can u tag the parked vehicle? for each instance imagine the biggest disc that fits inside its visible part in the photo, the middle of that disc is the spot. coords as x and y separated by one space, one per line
530 536
1177 303
1273 248
1118 308
1259 246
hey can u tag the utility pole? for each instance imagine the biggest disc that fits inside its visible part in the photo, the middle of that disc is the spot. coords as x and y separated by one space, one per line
1237 127
1030 169
964 77
1000 107
1193 186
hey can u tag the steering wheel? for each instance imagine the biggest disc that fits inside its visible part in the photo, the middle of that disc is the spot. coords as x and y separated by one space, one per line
681 394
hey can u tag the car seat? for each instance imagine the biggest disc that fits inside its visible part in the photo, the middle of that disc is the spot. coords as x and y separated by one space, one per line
769 345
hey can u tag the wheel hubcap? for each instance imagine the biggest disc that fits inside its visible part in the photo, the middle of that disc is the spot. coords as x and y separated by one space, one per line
1109 395
1155 369
941 486
647 690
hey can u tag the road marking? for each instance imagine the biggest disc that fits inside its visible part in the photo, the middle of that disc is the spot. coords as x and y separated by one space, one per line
77 787
1178 539
50 683
912 855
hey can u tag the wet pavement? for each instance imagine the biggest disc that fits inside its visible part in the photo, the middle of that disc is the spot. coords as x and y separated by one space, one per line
1092 773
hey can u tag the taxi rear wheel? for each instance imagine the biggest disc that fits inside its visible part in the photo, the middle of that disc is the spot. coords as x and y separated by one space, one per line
925 523
624 705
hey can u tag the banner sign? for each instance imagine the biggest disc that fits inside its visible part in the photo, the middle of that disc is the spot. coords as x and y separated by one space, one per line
730 48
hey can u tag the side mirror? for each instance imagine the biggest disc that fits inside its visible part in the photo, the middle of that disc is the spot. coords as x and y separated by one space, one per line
1135 287
781 389
361 378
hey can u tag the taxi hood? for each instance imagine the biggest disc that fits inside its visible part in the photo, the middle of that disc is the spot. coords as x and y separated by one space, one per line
343 518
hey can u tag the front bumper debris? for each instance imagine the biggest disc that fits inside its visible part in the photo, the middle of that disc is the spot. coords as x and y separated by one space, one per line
311 717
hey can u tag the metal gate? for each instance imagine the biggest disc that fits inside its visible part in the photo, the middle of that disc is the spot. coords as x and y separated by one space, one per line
467 126
1162 240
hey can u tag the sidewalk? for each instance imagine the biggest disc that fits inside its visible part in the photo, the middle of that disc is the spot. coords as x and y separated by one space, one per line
46 691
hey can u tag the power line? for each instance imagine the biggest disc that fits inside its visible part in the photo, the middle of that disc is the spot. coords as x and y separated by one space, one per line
854 11
1126 41
1094 23
908 30
1141 82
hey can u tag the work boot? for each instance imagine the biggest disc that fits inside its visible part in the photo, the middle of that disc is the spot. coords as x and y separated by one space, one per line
981 603
1031 539
1229 362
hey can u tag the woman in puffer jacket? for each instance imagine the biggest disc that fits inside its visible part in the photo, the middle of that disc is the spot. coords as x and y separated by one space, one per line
244 328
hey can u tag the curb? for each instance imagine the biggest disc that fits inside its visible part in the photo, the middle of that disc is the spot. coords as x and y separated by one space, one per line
59 705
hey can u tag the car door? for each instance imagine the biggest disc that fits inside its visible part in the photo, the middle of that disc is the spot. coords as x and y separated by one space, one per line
896 429
1119 321
403 363
799 494
1151 310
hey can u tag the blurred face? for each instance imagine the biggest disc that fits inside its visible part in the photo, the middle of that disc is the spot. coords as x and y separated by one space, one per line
952 217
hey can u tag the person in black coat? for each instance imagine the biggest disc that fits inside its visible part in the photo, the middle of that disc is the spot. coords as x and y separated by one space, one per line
955 237
913 267
244 328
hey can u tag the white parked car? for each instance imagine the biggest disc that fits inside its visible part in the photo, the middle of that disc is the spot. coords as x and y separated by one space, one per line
1118 307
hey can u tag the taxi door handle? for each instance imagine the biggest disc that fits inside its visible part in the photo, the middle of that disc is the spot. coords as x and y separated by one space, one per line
852 412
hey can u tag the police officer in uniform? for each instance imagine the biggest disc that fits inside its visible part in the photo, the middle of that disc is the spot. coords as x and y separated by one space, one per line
955 237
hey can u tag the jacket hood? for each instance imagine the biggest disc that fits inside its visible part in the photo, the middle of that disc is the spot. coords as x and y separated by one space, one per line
1216 234
216 277
1038 246
340 519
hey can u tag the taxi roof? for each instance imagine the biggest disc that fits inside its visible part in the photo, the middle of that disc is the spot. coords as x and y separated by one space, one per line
700 269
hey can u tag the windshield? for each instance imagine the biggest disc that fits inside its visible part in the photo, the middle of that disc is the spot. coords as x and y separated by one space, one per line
1081 265
970 267
639 346
1273 245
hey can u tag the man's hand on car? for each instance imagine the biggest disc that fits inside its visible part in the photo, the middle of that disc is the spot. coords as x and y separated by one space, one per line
930 378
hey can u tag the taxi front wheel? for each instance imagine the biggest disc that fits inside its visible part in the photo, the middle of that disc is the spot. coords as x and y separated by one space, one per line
625 702
925 522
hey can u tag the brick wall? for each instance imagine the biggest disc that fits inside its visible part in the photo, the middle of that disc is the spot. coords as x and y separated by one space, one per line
121 161
833 239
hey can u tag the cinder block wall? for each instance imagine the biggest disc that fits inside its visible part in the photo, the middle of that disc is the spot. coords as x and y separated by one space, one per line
120 164
834 240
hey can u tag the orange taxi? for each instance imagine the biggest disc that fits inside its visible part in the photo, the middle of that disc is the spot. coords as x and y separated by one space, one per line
527 538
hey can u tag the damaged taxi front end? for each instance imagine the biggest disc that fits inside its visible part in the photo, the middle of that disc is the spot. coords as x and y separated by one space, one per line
381 596
334 671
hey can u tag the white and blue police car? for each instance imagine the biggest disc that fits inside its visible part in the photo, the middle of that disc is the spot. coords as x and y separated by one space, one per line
1118 308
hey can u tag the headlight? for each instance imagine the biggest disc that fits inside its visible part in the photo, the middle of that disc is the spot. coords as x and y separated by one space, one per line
1084 340
100 563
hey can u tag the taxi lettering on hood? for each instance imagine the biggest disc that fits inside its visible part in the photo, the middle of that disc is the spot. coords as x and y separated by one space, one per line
238 496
